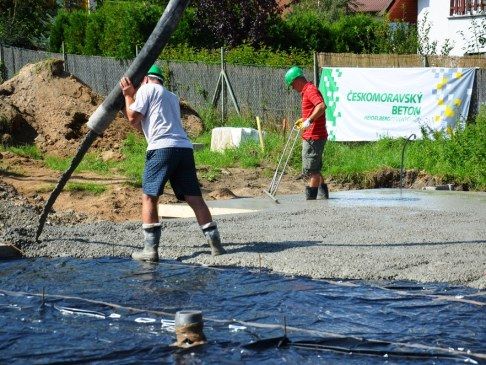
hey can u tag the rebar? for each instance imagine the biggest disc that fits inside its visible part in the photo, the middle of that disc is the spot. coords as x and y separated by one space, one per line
413 137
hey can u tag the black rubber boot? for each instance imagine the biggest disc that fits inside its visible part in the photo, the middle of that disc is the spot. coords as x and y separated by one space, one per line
211 233
150 252
310 193
323 191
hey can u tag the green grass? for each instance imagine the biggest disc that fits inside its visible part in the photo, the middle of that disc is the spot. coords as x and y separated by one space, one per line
29 151
133 150
95 189
460 157
90 162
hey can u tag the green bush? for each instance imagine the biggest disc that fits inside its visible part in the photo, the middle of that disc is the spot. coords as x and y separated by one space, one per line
355 33
117 28
307 32
241 55
114 30
460 156
396 38
70 28
127 25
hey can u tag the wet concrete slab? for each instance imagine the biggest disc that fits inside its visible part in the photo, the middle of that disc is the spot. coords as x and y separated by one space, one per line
424 199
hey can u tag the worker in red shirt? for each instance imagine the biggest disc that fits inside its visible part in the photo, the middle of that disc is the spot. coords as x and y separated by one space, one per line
314 132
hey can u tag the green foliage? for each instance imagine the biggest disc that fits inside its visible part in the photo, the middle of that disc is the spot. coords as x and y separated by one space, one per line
70 28
330 10
114 30
241 55
396 38
427 46
233 22
118 27
307 32
94 28
460 156
355 34
25 23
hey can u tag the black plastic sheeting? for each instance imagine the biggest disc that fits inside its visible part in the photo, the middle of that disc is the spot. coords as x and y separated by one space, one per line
83 316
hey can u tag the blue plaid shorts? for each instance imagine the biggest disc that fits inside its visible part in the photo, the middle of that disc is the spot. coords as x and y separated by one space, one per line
175 165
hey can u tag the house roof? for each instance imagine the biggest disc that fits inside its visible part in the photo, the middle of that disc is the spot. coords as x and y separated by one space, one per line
372 6
405 10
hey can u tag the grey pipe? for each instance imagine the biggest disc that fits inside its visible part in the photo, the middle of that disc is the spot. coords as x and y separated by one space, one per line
106 112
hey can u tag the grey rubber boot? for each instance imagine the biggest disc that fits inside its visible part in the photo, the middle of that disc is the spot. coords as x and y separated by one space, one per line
310 193
211 233
323 191
150 252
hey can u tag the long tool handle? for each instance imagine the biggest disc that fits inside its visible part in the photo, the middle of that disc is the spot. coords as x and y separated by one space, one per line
283 161
297 134
106 112
277 169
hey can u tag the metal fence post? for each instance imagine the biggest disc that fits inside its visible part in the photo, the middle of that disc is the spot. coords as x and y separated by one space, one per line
3 75
14 69
64 57
223 110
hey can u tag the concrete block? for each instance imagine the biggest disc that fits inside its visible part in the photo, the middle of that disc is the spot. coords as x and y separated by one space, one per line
231 137
9 252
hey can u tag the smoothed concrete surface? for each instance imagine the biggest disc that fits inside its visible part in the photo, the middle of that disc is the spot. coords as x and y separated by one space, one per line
216 207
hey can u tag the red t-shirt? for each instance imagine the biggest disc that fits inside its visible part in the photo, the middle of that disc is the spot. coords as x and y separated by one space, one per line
311 97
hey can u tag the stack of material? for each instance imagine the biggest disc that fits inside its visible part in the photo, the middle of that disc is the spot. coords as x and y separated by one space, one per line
231 137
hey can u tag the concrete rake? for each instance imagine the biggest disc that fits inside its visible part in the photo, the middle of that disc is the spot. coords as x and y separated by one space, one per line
282 163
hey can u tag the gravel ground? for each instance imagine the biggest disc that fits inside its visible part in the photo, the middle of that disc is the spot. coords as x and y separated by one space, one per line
424 236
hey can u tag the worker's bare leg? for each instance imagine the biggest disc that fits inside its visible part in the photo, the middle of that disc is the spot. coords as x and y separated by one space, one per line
205 221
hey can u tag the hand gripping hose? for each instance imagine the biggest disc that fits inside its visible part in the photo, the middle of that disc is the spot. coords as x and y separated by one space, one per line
283 162
106 112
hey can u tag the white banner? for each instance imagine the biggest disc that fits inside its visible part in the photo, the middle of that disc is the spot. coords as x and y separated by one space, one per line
366 104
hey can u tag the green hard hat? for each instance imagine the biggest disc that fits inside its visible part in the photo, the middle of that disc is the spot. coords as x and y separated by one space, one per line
156 72
292 74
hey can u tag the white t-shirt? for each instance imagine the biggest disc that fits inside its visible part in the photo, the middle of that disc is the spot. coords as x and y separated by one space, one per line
161 121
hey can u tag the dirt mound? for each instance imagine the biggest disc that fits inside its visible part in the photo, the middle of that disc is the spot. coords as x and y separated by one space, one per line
47 106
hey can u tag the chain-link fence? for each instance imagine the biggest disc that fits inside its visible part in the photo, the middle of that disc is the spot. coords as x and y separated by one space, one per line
259 91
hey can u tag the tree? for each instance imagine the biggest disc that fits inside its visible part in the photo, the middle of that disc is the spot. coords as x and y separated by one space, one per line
234 22
25 23
330 10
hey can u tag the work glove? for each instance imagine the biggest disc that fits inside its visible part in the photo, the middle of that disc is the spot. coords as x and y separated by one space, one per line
302 123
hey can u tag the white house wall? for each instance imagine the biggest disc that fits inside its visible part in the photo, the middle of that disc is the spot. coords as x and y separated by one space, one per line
443 26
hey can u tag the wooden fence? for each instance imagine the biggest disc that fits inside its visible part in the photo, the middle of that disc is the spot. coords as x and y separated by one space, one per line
394 60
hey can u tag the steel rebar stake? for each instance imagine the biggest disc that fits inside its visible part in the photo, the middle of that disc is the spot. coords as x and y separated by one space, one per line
411 137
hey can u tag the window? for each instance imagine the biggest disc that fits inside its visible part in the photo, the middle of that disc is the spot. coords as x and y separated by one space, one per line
467 7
